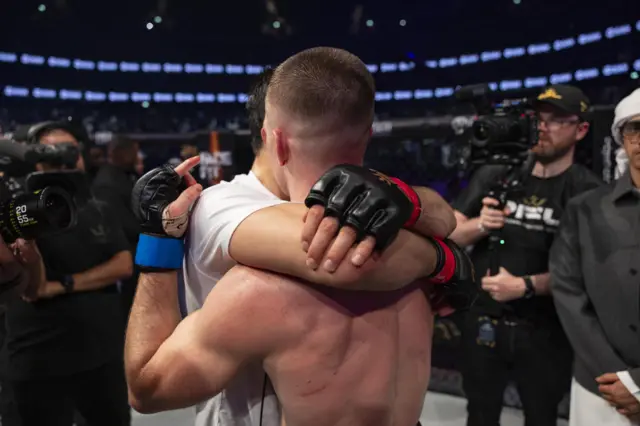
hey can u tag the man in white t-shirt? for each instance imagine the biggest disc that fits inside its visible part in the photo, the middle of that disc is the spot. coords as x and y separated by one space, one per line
249 220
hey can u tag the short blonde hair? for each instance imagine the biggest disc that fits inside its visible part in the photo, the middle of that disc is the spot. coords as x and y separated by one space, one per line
324 88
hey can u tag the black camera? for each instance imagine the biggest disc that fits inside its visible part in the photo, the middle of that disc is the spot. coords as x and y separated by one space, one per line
502 132
39 203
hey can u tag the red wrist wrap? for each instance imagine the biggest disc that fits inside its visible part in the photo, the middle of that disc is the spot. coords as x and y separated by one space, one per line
445 274
413 197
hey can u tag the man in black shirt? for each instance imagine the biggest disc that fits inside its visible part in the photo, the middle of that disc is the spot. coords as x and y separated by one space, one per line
113 185
513 331
65 345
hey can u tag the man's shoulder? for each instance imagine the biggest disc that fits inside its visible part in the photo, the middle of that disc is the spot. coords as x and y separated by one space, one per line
583 179
590 197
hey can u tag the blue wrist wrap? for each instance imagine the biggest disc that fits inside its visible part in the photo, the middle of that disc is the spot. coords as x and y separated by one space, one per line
159 252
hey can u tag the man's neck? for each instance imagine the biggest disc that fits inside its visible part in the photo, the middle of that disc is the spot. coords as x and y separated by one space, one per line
266 178
554 168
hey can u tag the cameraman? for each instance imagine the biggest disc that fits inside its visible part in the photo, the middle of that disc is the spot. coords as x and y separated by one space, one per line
513 331
65 344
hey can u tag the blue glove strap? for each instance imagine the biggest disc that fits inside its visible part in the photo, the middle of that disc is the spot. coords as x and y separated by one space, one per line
159 252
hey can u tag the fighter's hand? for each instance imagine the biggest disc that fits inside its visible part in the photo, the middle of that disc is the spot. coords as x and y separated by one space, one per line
163 197
491 217
351 204
617 394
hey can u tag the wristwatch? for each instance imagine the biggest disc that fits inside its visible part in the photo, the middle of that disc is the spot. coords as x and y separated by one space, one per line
530 290
67 282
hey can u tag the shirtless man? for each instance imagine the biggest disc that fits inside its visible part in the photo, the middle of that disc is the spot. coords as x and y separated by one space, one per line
334 130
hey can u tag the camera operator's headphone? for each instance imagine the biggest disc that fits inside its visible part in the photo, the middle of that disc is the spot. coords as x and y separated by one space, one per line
32 133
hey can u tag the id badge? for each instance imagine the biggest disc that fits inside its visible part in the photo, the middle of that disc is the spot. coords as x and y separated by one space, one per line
486 332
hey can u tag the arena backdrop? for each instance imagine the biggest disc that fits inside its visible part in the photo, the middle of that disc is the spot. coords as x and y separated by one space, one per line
421 151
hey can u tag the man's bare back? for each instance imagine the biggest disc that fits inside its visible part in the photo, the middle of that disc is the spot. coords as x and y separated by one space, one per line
339 358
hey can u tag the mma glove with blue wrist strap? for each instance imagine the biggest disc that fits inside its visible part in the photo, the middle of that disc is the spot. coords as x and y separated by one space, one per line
157 251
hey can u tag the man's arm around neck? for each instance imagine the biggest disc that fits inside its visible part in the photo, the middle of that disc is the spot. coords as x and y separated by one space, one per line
270 239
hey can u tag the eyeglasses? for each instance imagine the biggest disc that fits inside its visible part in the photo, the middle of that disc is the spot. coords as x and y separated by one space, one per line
631 132
556 123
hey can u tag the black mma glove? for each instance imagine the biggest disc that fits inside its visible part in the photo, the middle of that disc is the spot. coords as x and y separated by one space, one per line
453 280
367 200
157 251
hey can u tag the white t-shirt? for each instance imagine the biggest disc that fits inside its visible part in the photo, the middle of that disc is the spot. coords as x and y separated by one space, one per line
215 217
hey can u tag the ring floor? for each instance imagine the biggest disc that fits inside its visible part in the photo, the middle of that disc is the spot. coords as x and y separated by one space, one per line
439 410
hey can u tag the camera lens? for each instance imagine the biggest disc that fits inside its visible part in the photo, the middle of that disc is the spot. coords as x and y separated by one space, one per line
35 215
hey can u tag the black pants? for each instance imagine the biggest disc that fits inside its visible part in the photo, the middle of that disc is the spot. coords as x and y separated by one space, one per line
538 359
99 395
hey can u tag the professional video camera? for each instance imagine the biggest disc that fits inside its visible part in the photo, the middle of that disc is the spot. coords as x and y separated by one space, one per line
46 205
502 133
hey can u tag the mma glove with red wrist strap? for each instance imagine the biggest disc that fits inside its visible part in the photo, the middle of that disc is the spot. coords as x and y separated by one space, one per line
157 251
366 200
453 280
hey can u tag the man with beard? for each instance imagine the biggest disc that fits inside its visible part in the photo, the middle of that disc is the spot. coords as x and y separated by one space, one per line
513 331
595 287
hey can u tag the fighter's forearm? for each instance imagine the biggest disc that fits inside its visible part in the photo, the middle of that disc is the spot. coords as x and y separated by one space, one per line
437 218
154 316
118 267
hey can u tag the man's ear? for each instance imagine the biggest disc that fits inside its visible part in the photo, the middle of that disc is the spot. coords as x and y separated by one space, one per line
282 147
583 130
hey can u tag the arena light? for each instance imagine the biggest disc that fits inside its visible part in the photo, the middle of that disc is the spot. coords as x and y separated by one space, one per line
403 23
370 23
42 8
32 59
589 38
564 44
373 68
149 26
55 62
151 67
107 66
536 49
129 67
490 56
8 57
447 62
95 96
157 20
388 67
617 31
16 92
80 64
398 95
507 53
469 59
